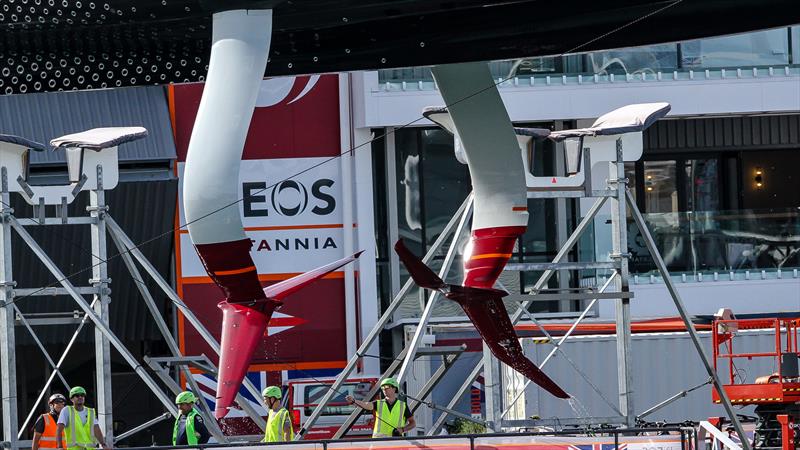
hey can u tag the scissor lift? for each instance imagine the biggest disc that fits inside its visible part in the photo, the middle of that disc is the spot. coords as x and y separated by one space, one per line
776 395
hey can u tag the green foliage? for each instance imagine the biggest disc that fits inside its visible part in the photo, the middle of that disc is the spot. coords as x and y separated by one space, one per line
462 426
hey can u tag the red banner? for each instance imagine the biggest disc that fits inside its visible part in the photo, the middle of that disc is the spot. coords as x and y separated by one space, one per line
296 120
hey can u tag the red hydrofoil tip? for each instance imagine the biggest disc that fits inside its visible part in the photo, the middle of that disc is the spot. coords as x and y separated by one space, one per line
243 326
242 329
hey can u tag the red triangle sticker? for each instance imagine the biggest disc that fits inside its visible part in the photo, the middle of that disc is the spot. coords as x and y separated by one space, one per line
554 180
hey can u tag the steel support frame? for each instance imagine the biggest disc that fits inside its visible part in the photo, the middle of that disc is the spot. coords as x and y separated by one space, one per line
96 311
434 295
616 193
119 235
619 236
90 312
449 356
182 367
493 389
427 388
102 348
676 298
385 318
557 345
8 361
562 254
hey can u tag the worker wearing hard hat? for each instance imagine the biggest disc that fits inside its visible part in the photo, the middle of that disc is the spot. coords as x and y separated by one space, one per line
279 424
392 416
189 429
78 423
46 426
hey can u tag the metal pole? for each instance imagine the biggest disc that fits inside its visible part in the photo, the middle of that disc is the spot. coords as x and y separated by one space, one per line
434 295
447 363
351 419
102 349
61 360
39 344
432 405
584 224
214 425
346 171
575 366
163 374
619 235
187 313
493 388
98 322
676 298
385 318
141 427
173 346
146 296
8 361
557 346
668 401
543 279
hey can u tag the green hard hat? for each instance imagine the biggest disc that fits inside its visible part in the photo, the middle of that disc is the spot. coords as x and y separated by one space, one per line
391 382
272 391
185 397
77 390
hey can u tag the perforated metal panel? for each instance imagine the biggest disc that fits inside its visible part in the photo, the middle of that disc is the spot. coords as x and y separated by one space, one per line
50 45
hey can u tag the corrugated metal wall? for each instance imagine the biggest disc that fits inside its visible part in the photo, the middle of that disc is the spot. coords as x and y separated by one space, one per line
663 365
146 211
723 133
41 117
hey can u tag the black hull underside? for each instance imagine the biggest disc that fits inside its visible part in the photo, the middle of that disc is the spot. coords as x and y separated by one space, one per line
50 45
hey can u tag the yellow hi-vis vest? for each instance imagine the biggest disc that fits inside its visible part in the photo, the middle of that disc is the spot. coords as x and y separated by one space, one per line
274 429
79 434
387 421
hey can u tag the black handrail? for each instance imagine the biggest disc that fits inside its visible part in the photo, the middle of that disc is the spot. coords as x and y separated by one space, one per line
582 432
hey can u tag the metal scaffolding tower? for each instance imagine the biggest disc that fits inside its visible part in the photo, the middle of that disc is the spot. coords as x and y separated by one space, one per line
609 149
93 167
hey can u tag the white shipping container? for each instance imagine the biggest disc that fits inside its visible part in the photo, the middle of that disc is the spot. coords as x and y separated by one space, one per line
663 364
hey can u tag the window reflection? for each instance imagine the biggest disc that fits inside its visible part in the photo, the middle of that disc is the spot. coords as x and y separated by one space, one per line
648 59
761 48
702 184
660 186
409 217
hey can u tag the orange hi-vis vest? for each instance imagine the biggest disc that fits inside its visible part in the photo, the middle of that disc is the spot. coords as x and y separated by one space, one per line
48 439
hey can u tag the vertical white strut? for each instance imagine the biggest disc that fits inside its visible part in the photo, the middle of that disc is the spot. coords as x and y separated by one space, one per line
241 40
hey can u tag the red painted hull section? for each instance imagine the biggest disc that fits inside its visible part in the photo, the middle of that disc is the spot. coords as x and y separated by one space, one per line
246 311
487 255
232 269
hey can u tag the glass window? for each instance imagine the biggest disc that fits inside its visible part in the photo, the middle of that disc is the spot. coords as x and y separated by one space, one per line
660 191
445 182
649 59
702 185
523 67
795 37
760 48
409 206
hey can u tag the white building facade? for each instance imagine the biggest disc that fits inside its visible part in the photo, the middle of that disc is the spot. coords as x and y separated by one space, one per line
717 181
